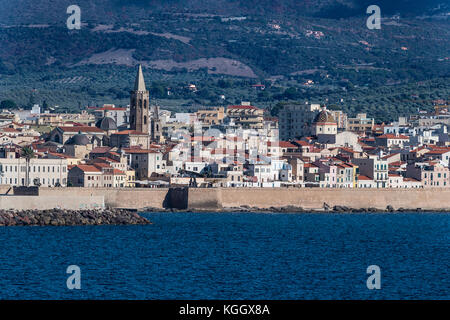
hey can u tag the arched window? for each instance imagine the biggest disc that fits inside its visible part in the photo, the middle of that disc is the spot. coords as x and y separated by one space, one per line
140 103
145 119
145 104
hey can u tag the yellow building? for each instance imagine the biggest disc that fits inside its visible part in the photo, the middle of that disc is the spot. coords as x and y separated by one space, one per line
211 116
361 123
131 179
246 116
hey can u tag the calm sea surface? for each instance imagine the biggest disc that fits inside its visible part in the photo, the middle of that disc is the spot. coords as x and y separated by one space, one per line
232 256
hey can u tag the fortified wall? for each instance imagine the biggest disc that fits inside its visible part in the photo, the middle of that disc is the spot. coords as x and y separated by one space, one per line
223 198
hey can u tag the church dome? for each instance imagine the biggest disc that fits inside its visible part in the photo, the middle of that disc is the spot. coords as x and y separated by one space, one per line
78 140
324 116
106 124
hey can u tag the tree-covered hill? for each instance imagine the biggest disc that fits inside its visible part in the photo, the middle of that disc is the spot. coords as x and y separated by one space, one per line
309 50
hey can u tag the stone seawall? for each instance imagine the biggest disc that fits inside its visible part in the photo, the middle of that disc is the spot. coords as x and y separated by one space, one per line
317 199
46 202
224 198
115 197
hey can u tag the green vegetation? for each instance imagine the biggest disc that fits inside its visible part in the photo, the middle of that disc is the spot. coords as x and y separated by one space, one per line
8 104
386 73
28 154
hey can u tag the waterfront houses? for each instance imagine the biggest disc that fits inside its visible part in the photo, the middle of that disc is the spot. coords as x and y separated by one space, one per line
243 145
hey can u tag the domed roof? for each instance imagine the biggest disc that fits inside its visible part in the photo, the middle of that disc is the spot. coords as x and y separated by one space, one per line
106 124
325 116
78 140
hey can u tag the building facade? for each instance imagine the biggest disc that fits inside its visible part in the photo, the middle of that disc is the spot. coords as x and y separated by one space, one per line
42 172
295 120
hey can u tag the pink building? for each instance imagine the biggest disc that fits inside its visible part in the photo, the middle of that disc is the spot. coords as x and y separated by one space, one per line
431 174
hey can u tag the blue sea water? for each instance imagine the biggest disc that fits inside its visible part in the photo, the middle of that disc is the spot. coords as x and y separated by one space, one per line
233 256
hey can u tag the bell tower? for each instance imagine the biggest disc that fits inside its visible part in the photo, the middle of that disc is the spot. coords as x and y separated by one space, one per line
155 125
139 104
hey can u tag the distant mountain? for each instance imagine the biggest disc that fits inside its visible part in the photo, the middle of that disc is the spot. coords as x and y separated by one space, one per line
51 11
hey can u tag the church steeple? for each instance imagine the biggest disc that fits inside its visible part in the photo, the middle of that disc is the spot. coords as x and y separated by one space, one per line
139 83
139 105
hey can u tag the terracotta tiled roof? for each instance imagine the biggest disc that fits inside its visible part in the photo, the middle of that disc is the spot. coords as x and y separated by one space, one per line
117 171
303 143
393 136
396 164
87 168
12 130
287 144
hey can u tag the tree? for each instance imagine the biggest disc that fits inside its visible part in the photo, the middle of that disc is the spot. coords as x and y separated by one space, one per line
31 101
28 154
8 104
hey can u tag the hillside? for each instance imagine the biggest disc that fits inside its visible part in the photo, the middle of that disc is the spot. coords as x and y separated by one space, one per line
223 46
106 11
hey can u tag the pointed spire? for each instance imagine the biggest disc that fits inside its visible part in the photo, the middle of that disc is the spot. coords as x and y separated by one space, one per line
139 83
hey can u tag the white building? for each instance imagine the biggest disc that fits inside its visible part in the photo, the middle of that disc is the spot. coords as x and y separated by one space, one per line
44 172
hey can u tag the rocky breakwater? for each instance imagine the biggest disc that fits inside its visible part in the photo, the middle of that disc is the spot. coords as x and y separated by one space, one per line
61 217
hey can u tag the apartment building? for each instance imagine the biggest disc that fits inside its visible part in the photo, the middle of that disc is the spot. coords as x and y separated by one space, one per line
42 172
97 176
211 116
295 120
145 162
246 116
374 168
361 123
